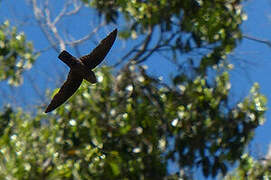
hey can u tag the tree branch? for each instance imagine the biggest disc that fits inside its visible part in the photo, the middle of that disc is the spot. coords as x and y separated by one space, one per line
48 26
161 43
79 41
64 12
53 27
268 43
144 44
39 16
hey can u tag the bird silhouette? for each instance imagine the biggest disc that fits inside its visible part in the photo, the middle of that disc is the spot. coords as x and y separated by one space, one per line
81 69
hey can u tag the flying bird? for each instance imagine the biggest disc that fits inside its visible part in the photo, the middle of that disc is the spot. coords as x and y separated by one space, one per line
81 69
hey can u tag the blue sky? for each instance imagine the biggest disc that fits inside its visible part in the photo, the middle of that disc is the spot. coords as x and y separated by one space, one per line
255 68
258 67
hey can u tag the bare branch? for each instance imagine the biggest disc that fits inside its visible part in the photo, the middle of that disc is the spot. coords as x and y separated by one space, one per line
161 44
79 41
142 52
76 9
48 25
127 55
64 12
53 27
39 16
149 53
268 43
75 42
144 45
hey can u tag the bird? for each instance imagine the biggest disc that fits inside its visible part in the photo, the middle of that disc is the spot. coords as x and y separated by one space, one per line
80 69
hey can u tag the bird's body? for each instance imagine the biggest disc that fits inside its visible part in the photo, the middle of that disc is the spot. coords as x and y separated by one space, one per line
81 69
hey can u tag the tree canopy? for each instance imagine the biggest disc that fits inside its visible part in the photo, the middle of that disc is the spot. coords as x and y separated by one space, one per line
131 124
16 54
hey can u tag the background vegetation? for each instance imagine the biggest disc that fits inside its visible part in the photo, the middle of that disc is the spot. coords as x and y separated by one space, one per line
132 125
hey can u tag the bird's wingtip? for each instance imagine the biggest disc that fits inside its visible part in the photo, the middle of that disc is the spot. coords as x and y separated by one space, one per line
48 109
115 31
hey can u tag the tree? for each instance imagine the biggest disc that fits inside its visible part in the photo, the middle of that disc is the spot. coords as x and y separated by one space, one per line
130 124
250 168
16 55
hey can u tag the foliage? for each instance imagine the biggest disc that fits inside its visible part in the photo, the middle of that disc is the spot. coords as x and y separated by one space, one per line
219 132
211 25
130 125
16 54
123 127
249 168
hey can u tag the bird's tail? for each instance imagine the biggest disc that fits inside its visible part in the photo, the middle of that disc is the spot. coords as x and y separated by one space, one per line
67 58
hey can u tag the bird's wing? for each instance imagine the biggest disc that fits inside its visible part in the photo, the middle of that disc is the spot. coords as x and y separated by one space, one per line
67 58
98 54
67 90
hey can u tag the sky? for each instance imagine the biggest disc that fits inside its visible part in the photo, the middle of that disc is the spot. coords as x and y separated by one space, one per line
258 67
252 59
